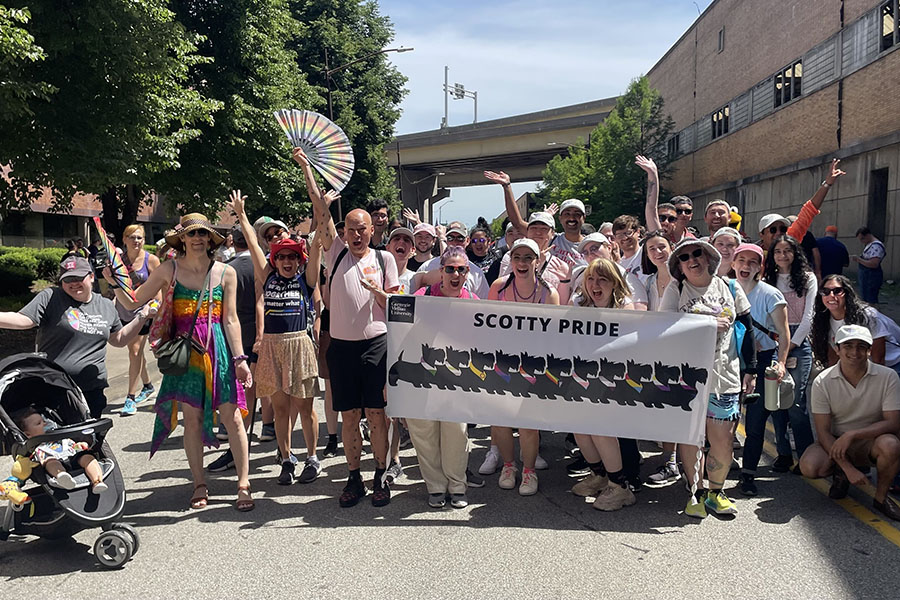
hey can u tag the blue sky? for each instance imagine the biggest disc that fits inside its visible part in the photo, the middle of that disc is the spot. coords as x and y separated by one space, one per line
521 57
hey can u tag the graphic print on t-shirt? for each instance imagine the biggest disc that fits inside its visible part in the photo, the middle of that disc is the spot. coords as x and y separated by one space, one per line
85 323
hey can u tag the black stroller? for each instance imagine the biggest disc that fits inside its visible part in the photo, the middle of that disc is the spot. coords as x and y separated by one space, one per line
32 379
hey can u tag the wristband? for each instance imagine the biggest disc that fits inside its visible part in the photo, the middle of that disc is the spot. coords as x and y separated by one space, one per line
826 184
240 357
114 286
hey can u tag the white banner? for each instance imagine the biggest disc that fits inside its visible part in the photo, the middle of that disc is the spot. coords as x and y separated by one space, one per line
610 372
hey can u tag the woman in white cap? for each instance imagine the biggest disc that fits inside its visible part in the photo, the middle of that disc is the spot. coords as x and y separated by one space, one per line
726 240
696 289
768 308
603 286
787 269
523 284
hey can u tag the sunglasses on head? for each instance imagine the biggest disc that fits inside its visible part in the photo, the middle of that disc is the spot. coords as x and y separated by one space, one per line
196 232
776 230
837 291
667 218
684 211
451 270
697 253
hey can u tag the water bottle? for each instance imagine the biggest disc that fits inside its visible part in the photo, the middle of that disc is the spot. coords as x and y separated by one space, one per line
771 387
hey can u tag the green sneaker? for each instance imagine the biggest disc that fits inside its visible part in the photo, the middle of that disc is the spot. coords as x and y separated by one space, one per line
719 503
695 509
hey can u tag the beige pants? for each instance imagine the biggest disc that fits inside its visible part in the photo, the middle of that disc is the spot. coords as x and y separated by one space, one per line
442 448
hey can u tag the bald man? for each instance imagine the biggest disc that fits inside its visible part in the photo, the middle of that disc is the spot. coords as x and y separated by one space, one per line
360 280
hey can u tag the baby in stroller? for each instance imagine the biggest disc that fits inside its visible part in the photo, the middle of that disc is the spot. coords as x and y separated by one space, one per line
57 455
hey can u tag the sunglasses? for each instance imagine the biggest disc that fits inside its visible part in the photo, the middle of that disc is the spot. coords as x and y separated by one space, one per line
196 232
451 270
697 253
290 256
837 291
479 240
684 211
455 238
71 280
271 236
775 230
667 218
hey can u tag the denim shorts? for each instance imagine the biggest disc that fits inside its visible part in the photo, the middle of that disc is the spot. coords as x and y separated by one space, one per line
724 407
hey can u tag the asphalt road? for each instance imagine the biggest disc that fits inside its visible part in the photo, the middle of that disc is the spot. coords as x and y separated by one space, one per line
791 541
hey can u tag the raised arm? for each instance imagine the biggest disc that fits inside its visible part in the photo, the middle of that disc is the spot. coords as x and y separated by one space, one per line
313 266
236 203
512 209
651 214
324 222
811 207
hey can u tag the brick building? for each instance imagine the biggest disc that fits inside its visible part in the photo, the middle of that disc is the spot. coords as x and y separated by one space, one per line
765 93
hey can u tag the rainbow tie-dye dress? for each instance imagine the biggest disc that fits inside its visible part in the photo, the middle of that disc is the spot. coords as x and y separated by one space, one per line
210 379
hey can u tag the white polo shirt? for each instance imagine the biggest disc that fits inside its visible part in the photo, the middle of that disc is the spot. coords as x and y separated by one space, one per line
855 407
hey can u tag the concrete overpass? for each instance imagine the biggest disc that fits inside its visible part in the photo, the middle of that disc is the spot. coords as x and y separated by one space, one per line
430 162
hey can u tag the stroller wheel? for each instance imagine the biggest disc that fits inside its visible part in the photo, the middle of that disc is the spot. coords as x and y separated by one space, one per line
113 549
132 533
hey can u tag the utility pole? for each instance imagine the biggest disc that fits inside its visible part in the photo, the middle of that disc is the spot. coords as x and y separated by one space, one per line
446 121
459 92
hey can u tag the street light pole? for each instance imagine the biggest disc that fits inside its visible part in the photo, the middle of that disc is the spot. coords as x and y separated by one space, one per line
329 72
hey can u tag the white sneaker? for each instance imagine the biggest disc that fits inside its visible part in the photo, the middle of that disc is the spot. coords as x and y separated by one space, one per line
491 462
529 485
540 464
614 497
507 479
591 485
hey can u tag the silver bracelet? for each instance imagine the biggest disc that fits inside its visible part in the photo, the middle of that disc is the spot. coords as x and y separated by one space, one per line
826 184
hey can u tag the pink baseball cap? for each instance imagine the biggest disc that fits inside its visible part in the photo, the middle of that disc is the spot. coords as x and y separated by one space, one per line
427 228
749 248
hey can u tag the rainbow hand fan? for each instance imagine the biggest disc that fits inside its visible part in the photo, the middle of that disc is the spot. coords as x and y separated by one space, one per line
325 144
116 265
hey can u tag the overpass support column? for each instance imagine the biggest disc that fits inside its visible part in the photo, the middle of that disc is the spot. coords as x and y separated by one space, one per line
419 191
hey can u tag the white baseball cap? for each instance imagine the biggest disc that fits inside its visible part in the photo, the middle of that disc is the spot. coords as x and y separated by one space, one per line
527 243
542 217
595 237
853 332
772 218
572 203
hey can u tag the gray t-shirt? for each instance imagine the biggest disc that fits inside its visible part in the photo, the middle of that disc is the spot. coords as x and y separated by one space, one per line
74 334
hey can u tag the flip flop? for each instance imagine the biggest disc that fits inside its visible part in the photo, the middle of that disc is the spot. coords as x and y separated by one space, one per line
244 505
198 501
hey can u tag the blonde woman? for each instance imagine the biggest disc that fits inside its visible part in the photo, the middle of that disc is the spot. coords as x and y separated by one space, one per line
140 264
603 287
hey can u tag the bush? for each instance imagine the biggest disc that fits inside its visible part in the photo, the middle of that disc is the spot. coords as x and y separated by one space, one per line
48 261
17 271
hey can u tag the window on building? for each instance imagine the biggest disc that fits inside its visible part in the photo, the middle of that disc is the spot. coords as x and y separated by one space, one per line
720 122
889 31
673 146
13 224
721 39
787 83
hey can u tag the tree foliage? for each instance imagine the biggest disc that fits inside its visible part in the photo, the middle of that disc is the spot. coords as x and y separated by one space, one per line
365 95
604 174
17 51
252 71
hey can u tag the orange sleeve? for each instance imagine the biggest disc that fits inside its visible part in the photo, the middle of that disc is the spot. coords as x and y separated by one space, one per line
799 227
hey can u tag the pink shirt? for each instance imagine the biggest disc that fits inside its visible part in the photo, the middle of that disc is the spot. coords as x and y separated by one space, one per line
354 313
436 291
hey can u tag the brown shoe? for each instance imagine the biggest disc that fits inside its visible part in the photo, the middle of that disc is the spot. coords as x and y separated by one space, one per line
888 508
840 485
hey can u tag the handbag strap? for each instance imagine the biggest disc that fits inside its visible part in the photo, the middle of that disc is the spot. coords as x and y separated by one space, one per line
200 299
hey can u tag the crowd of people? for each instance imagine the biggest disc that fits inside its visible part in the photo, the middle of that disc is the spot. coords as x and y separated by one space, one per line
271 312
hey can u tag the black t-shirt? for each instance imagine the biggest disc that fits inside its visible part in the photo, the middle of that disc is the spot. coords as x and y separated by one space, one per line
809 244
493 272
286 303
74 334
245 302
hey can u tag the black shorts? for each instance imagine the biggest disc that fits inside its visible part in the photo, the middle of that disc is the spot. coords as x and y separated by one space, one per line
358 373
252 357
325 320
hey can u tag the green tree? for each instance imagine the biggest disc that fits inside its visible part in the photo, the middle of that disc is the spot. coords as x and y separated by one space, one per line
604 174
17 51
252 71
119 110
365 95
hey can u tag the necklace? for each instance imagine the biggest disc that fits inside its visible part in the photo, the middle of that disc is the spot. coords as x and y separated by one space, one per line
518 298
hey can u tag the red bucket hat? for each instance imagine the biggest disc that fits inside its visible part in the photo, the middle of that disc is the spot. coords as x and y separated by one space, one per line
289 244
